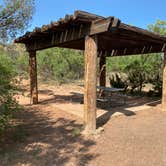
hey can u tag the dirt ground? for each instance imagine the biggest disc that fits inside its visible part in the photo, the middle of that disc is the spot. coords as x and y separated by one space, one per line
50 136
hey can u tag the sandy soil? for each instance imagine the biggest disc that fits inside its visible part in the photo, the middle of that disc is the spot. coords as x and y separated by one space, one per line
52 134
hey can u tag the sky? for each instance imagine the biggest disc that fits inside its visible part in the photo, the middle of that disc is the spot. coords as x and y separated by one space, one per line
135 12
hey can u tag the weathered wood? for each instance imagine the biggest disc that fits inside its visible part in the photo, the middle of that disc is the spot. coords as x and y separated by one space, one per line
90 83
102 73
140 31
33 77
134 50
101 25
70 34
164 84
85 16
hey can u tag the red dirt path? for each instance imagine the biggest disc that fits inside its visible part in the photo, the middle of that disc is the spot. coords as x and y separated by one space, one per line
53 139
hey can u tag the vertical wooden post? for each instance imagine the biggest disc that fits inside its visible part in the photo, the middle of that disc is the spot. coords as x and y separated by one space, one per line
102 74
90 84
33 77
164 84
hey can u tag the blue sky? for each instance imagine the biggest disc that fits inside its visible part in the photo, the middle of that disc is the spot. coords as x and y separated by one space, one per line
135 12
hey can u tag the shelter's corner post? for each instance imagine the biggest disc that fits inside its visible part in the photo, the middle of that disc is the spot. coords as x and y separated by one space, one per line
33 77
164 83
90 55
102 72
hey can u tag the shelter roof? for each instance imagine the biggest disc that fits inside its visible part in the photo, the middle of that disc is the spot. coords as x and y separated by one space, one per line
114 37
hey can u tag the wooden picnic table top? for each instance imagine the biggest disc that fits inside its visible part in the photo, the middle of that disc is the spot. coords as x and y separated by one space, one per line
110 89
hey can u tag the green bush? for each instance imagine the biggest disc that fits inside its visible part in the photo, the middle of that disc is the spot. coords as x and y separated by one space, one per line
117 81
139 69
62 65
8 104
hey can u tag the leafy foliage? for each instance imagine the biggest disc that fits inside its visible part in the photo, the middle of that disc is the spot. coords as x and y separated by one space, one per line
138 72
8 104
62 65
117 81
141 69
14 17
158 27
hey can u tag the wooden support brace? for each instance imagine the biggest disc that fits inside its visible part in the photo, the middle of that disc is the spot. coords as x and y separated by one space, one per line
90 84
33 77
164 84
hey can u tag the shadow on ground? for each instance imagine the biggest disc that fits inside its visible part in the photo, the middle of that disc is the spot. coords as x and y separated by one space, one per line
118 106
49 141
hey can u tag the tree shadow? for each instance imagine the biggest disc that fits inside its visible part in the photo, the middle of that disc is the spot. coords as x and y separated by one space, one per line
154 103
110 110
104 118
126 109
73 98
45 91
50 141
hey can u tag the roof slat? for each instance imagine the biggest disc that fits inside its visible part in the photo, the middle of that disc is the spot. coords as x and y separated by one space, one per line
73 28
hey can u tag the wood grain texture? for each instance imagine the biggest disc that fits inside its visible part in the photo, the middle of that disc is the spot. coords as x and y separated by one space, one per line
33 77
102 73
90 83
164 84
70 31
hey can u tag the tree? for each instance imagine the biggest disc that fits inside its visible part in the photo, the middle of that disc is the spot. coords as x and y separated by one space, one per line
14 17
158 27
141 69
8 104
62 65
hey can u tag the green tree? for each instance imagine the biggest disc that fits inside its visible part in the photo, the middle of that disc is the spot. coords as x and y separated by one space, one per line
62 65
14 17
8 104
158 27
141 69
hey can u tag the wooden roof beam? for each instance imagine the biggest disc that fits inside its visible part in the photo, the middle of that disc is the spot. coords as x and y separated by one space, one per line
142 32
71 34
133 51
85 16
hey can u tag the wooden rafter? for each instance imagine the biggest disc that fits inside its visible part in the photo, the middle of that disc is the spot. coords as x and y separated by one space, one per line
114 36
70 34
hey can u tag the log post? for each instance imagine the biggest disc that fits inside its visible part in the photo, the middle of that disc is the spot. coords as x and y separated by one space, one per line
164 84
33 77
102 73
90 84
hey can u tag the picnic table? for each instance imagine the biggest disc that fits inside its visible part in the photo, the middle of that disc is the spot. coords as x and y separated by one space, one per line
109 97
110 89
119 96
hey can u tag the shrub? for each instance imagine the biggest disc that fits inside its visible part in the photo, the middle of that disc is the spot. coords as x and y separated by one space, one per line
117 81
62 65
8 104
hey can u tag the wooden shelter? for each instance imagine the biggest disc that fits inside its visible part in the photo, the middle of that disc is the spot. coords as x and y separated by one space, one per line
98 37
